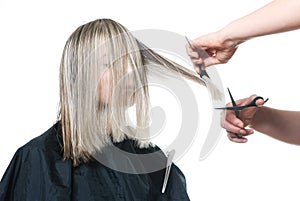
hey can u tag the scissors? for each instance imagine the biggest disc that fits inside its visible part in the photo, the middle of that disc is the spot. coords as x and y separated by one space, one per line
237 109
202 72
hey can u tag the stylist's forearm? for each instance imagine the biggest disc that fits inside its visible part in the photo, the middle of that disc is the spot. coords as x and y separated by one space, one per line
279 124
277 16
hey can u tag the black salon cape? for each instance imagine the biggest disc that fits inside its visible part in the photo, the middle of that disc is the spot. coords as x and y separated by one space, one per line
37 172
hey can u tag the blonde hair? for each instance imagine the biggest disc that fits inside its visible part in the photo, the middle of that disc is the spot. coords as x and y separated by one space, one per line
87 124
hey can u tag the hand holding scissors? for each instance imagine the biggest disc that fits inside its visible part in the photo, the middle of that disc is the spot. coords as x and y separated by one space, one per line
240 114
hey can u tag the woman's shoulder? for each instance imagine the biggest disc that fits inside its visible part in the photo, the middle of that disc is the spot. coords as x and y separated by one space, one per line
37 170
49 141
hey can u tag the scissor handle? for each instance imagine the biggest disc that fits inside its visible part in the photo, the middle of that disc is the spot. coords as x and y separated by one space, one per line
251 104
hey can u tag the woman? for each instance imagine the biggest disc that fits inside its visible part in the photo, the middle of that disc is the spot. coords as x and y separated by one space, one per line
103 71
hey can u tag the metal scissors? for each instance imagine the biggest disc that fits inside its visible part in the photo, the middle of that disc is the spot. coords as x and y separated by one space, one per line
237 109
202 71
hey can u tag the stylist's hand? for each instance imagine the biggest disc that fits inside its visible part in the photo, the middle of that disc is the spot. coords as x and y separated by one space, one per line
210 49
234 125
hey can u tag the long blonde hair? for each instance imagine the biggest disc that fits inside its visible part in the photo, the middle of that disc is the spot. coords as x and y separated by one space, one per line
87 124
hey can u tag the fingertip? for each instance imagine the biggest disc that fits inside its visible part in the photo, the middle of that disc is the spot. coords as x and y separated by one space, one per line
242 140
199 61
249 131
239 140
242 132
239 123
260 102
232 137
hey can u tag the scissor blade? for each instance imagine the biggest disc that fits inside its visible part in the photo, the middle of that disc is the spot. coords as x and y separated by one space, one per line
232 100
202 72
232 108
189 42
236 112
233 103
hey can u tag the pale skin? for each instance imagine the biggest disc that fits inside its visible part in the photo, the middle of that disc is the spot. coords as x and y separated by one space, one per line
218 48
104 88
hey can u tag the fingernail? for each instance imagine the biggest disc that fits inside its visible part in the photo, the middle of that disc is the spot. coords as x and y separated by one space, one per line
240 125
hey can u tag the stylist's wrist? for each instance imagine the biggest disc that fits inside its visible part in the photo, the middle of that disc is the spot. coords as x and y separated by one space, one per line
258 117
230 37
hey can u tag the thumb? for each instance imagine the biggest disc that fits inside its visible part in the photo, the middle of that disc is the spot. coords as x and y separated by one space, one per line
260 102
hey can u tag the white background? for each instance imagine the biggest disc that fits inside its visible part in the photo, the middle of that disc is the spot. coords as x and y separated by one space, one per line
32 36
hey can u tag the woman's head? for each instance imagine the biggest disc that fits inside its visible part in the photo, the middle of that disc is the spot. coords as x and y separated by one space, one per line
101 74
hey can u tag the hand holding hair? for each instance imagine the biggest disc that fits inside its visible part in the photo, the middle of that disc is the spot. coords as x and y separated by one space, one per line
211 49
277 16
